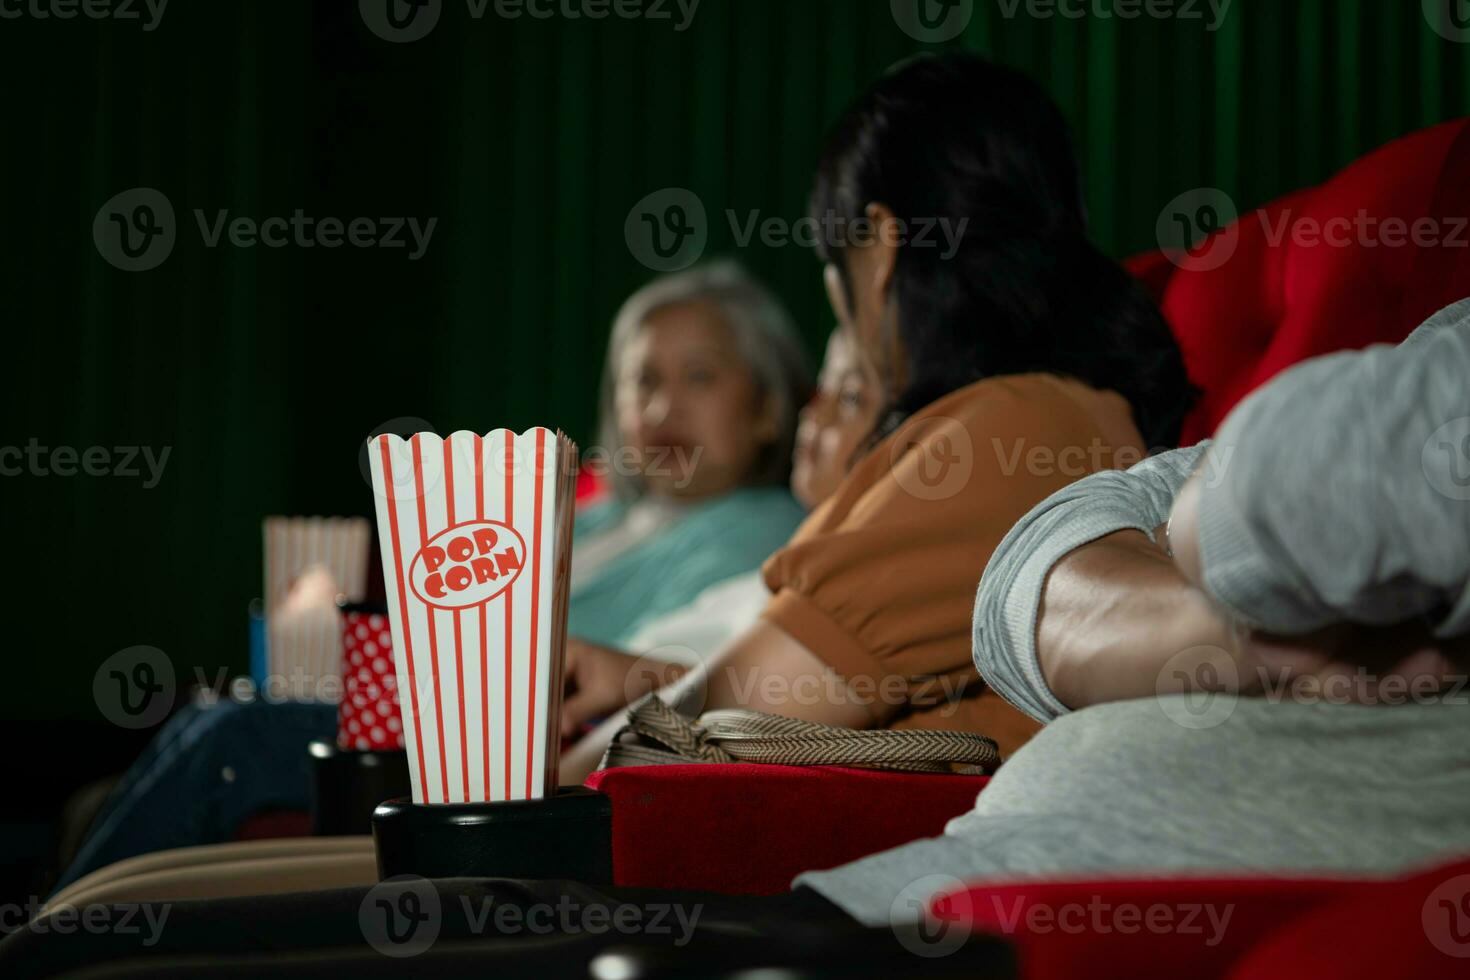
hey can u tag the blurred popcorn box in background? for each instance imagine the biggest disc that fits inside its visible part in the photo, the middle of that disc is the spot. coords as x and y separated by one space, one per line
295 544
476 541
311 564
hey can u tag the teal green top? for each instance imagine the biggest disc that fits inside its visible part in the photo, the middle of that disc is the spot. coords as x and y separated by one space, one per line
715 540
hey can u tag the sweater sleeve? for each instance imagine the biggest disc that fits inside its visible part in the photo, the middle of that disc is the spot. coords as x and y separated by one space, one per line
1006 605
1341 490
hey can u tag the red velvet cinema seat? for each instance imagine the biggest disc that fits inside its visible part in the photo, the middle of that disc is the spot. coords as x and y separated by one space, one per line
1413 926
1282 295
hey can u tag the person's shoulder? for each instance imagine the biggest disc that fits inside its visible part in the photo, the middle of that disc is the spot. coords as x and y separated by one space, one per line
1037 393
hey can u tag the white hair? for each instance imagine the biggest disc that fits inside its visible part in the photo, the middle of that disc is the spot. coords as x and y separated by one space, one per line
764 334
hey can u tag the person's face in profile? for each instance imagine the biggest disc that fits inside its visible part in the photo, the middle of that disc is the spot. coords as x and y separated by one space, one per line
861 295
689 405
835 422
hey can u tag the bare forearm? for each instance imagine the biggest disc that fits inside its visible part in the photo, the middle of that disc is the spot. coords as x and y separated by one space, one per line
1119 621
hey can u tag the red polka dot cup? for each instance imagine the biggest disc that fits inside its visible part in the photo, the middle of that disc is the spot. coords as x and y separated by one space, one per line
368 717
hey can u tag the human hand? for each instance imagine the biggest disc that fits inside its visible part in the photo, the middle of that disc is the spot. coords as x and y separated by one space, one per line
598 681
1350 663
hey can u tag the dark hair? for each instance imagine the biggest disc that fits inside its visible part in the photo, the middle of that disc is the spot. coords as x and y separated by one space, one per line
956 137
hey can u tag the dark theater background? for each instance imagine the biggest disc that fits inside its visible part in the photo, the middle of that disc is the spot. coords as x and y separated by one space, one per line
526 141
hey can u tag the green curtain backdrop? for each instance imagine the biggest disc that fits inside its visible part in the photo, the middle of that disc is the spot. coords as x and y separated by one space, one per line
261 370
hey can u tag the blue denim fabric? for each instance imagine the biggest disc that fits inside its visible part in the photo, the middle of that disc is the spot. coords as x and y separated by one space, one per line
209 768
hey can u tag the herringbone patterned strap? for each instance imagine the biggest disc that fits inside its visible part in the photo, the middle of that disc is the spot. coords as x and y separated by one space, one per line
732 735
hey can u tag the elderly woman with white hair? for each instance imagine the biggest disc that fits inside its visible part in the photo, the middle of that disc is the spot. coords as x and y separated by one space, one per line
703 382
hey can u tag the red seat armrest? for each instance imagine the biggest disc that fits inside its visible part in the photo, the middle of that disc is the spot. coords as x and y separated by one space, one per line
750 829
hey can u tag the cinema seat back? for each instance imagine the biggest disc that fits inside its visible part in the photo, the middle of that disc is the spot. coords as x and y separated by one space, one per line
1123 929
1360 259
1417 928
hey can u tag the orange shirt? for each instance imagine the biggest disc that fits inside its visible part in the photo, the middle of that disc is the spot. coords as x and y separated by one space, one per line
880 580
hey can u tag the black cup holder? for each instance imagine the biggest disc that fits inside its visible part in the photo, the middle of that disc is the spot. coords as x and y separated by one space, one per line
567 835
347 785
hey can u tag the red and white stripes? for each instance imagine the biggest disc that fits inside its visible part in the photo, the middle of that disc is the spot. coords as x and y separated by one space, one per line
459 518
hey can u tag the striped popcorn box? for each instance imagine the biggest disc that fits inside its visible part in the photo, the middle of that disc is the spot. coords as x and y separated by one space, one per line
309 563
476 540
294 544
304 641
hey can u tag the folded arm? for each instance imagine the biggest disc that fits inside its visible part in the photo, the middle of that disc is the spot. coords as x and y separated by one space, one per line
1081 602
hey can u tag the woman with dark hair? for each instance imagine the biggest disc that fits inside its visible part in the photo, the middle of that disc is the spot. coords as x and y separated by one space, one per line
1021 289
1013 359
